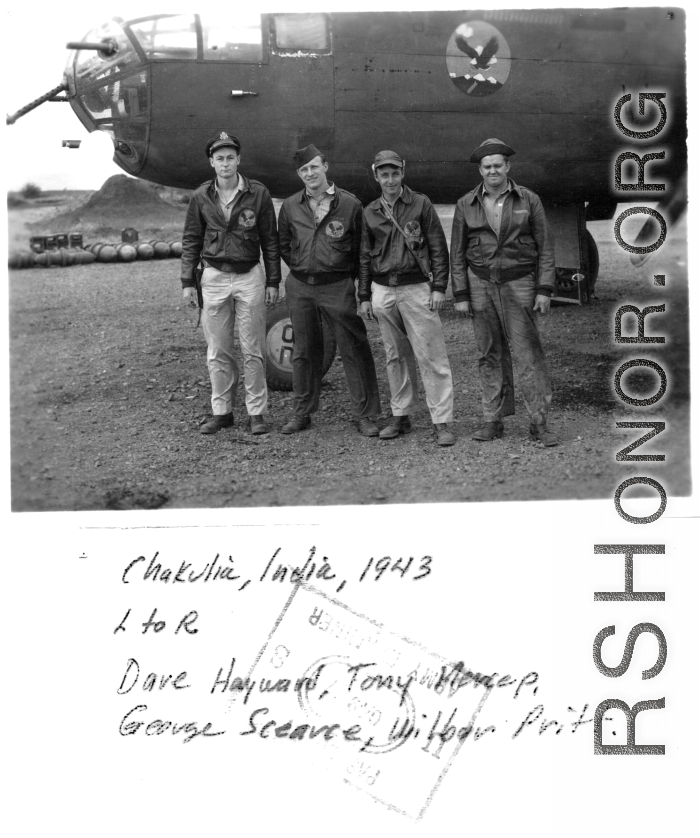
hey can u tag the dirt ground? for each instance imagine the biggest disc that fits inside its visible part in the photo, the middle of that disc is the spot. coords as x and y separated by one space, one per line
109 385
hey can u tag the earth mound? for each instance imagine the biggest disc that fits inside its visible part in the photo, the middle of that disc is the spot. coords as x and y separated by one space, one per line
121 202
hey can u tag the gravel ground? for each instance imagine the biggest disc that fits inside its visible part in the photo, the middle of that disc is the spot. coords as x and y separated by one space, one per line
109 385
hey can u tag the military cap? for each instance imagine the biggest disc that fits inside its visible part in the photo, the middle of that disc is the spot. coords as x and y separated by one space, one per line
490 146
388 158
305 155
220 140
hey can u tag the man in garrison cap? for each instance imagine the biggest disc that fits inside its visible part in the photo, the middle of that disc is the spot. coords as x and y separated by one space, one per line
319 233
404 269
502 255
230 221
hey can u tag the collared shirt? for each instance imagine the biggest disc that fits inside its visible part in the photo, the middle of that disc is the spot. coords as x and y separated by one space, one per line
227 206
389 208
493 205
321 205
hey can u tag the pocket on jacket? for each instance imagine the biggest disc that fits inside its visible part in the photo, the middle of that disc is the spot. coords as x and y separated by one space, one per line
211 239
474 250
527 248
341 254
294 254
250 244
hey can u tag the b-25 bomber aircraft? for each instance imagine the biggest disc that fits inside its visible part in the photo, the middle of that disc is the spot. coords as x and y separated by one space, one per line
432 85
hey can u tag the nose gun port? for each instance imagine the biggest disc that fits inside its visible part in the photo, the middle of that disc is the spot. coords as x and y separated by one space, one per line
106 47
47 97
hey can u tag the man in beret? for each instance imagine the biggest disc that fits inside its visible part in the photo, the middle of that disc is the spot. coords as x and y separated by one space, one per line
319 232
502 255
229 221
404 268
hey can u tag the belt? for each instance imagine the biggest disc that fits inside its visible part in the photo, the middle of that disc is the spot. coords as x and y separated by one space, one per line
323 278
394 279
231 268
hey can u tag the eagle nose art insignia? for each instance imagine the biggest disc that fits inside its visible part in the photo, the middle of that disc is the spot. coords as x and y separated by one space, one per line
246 219
478 58
335 229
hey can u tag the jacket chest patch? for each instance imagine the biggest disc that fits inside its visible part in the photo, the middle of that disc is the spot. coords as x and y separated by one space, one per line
246 219
335 229
412 228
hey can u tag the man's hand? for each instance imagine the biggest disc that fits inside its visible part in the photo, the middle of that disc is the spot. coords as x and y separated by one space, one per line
464 308
272 294
189 295
437 300
366 310
542 303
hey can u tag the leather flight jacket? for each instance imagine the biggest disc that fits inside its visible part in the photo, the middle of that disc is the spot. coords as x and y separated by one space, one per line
329 252
385 257
234 246
523 247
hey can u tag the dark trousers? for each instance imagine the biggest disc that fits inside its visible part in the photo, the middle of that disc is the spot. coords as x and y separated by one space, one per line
336 300
505 331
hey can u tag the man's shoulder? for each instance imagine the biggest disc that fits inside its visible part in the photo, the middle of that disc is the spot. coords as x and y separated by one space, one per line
203 188
418 198
348 197
525 192
256 186
293 199
469 196
374 205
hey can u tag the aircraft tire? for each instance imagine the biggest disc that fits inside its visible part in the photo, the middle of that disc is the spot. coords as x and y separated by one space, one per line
593 263
278 347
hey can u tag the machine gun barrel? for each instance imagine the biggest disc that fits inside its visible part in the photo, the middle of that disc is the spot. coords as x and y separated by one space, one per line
107 47
10 120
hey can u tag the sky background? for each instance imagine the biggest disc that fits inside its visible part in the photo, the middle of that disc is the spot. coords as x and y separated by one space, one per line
35 57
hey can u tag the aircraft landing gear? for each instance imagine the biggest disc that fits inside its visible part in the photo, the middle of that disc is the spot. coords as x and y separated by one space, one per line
592 265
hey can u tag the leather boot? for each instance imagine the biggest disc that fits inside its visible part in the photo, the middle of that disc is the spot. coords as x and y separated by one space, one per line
539 433
216 423
395 426
489 431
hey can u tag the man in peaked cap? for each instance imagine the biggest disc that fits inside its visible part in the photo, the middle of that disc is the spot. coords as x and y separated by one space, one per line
502 255
229 221
319 234
404 268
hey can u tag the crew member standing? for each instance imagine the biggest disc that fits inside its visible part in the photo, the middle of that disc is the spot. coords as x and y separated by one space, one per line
404 268
502 255
230 219
319 233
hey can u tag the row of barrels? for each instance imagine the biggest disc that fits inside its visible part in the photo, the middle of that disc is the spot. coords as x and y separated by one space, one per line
99 252
130 251
61 258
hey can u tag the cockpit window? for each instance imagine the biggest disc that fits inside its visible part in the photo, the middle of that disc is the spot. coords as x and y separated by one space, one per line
93 65
301 32
233 37
168 36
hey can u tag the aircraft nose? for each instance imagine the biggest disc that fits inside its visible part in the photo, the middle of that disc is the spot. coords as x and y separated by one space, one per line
109 91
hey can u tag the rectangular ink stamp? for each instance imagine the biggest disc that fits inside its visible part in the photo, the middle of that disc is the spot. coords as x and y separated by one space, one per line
392 715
